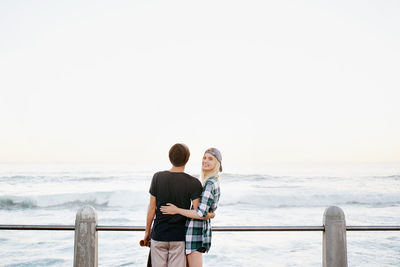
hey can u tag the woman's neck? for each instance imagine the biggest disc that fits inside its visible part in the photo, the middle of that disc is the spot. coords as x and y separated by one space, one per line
206 174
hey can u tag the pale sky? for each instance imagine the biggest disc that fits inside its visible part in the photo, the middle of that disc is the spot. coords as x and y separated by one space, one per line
263 81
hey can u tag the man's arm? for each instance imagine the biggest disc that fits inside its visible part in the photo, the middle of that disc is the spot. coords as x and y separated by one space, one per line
151 212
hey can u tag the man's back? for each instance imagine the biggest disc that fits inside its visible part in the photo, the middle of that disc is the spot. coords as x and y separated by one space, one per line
178 188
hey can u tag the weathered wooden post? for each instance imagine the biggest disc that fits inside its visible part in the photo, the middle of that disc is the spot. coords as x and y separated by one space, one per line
334 251
85 248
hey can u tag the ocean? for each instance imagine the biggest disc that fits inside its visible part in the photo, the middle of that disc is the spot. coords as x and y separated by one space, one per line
277 195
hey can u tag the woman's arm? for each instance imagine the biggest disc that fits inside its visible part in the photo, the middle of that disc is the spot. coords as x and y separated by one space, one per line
201 212
172 209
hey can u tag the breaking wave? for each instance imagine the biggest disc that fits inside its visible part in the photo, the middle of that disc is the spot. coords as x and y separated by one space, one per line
95 199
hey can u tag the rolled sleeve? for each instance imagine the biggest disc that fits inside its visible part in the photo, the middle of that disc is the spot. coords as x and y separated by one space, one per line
206 200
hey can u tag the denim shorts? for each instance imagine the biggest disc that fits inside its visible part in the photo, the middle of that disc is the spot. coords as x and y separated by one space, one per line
202 250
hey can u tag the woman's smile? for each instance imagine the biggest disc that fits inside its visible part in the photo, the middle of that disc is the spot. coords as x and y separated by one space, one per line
209 162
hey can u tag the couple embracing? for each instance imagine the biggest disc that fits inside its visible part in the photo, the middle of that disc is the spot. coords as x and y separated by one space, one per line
182 207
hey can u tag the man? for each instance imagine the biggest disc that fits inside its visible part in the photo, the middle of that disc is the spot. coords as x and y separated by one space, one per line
179 188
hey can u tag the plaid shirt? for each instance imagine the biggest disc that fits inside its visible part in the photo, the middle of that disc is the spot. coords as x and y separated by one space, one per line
198 232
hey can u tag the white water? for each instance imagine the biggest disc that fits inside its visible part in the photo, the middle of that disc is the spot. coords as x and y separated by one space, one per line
283 195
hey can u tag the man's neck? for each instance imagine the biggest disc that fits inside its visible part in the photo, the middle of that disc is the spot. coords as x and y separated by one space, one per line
177 169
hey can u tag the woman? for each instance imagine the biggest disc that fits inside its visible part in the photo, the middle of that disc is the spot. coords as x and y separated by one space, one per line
198 231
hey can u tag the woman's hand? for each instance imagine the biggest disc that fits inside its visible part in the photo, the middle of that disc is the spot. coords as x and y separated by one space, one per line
170 209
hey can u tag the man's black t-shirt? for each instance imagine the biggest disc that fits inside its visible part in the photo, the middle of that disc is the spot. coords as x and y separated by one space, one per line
178 188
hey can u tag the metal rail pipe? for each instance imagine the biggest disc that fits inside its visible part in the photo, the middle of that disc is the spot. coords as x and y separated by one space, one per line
374 228
39 227
214 228
224 228
86 234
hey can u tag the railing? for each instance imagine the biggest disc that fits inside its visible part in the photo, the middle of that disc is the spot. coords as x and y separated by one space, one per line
214 228
86 228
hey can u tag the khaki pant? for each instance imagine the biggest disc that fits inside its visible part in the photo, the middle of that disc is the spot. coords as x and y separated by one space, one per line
168 254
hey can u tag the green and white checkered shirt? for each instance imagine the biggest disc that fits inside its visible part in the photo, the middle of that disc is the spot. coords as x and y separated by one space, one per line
198 232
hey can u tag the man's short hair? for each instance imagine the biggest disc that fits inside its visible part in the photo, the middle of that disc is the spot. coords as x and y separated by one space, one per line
179 155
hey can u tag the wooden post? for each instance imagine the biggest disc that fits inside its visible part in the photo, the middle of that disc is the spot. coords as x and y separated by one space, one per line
85 248
334 251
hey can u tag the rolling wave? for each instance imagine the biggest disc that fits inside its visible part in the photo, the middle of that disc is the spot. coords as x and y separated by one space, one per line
237 190
12 203
95 199
128 199
312 200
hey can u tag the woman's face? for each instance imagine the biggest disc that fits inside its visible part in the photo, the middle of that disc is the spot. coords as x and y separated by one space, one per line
209 162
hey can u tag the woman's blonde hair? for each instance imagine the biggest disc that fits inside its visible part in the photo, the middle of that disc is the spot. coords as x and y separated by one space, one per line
213 173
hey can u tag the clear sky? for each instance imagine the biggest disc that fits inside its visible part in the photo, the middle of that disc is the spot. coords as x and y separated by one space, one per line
264 81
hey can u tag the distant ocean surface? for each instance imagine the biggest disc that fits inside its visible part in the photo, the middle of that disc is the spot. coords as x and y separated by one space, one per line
280 195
